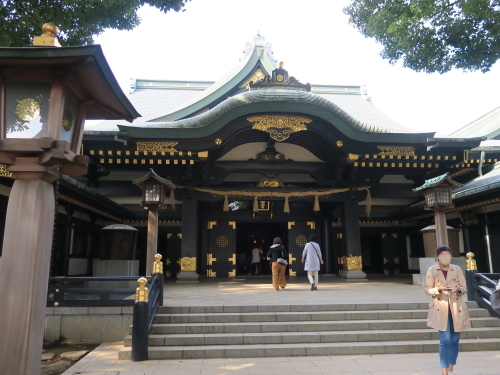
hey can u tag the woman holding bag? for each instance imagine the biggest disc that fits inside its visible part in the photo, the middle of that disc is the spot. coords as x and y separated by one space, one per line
312 258
448 312
277 255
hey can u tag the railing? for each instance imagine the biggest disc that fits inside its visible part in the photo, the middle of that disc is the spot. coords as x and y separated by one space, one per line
480 286
147 301
63 293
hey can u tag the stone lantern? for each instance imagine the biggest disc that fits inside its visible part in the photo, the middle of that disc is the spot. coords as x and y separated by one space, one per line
154 189
46 94
438 197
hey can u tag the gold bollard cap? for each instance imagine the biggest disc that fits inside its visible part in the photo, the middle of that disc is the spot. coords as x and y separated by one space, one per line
158 257
142 292
158 265
470 263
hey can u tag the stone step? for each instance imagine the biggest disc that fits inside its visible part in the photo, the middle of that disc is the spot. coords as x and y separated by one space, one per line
300 316
309 349
307 337
296 308
304 326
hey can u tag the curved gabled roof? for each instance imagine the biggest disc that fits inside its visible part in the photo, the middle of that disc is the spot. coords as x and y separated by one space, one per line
487 125
274 101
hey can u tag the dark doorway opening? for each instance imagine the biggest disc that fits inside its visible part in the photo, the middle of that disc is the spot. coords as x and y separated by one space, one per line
251 235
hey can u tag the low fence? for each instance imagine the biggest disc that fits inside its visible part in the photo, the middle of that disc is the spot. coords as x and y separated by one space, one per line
480 286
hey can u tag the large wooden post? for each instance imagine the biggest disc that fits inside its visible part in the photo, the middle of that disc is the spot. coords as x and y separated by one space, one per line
152 238
352 259
189 247
24 271
441 228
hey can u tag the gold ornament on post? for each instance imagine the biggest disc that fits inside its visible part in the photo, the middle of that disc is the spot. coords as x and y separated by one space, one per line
352 263
158 265
470 263
142 292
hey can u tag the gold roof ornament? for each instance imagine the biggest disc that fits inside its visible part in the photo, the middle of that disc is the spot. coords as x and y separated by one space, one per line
282 64
48 38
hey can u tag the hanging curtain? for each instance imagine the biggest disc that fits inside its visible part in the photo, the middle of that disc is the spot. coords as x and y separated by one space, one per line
226 204
255 204
286 207
316 204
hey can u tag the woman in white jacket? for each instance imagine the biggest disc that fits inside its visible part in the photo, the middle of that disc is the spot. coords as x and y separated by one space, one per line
312 258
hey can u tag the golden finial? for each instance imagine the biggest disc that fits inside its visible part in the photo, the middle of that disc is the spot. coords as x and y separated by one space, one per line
50 29
142 292
48 38
282 64
470 263
158 265
258 32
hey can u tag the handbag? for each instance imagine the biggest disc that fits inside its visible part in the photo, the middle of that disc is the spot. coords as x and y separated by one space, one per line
495 300
282 260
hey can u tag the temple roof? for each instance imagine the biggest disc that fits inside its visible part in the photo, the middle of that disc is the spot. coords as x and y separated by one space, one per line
486 183
487 125
169 101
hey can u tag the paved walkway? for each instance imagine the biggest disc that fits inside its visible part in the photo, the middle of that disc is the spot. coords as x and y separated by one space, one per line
103 361
258 290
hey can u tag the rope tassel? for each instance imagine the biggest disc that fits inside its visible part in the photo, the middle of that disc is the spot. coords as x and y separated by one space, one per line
286 207
316 204
255 204
226 204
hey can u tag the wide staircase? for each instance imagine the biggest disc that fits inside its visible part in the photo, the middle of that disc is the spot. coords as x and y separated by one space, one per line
305 330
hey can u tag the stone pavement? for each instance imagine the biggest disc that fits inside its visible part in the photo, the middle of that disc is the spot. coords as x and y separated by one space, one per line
103 361
258 290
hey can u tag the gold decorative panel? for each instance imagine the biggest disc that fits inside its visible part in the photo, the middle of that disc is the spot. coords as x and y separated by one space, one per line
222 241
157 146
231 273
256 76
301 241
211 224
232 259
188 264
292 273
270 183
353 263
4 172
291 224
396 150
232 223
291 258
312 224
279 127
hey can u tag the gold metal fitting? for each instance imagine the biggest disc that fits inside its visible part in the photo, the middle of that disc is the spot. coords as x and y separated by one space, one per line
48 38
470 263
142 292
56 304
158 265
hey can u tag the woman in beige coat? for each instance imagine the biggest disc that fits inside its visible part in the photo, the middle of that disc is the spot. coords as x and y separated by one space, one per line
448 312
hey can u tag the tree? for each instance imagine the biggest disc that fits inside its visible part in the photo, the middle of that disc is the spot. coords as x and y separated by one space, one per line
432 35
78 20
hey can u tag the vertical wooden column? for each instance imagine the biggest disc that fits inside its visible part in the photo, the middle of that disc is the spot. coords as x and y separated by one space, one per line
326 234
350 223
441 228
24 272
189 246
152 239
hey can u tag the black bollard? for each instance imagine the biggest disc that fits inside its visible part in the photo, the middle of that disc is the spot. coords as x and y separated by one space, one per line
140 322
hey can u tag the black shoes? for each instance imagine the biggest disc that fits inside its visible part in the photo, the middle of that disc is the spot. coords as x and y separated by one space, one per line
313 287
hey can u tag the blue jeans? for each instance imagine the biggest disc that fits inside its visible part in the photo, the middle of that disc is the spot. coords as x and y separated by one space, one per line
448 345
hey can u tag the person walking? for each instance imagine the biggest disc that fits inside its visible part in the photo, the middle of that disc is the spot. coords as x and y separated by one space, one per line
448 312
256 251
312 258
277 255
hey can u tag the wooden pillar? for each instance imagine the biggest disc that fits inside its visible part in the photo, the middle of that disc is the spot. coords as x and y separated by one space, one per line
352 268
326 234
189 247
152 239
441 228
24 272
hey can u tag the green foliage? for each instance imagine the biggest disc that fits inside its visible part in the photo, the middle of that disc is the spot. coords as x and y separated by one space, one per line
78 20
432 35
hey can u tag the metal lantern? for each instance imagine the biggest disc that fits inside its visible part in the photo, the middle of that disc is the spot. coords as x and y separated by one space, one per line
154 189
438 191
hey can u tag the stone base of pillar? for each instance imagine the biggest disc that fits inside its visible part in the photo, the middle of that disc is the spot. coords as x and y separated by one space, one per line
188 276
353 275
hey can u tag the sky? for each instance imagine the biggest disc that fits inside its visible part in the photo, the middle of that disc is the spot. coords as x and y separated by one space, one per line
318 46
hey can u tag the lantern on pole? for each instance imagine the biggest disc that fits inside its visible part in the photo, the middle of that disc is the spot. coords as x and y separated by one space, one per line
438 197
46 94
154 189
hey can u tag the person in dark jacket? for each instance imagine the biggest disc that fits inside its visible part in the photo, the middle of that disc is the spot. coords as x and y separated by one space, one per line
276 251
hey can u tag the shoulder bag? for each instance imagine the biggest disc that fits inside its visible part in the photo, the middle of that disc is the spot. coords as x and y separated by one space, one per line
282 259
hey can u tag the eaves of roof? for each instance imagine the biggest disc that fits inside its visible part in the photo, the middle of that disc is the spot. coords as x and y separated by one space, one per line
274 101
487 125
